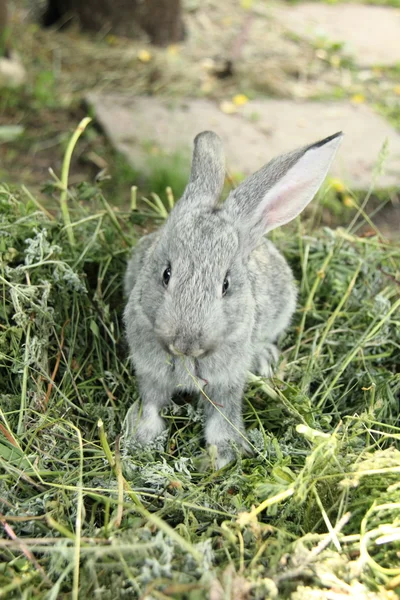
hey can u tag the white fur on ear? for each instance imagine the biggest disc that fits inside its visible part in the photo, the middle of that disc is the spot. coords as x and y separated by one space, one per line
291 194
208 171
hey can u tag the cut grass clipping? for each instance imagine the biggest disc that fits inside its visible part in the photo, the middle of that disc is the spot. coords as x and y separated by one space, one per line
317 508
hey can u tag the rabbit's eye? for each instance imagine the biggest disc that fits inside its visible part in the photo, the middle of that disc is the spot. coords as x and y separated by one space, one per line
225 286
166 276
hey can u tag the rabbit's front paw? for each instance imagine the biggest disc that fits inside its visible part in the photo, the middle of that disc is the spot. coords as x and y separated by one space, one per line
225 451
265 360
142 429
223 455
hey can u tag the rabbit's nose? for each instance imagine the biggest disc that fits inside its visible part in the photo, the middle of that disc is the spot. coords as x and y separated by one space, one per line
181 348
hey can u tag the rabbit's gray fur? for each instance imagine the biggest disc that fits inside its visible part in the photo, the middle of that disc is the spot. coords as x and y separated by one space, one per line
188 335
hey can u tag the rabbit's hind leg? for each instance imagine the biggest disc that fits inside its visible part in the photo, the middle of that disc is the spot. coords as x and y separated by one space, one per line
265 360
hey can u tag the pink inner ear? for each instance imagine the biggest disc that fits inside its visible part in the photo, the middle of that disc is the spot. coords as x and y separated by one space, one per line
259 208
291 194
286 203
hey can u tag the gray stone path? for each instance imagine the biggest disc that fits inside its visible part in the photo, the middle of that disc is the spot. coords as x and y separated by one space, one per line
256 133
371 34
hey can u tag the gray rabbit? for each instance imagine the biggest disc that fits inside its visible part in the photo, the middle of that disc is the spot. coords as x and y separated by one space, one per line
208 295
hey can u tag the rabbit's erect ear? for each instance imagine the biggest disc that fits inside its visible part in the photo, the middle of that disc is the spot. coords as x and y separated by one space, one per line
208 170
278 192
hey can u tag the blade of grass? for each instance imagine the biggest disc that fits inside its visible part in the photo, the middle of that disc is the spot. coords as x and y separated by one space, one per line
24 387
113 218
37 203
133 198
64 177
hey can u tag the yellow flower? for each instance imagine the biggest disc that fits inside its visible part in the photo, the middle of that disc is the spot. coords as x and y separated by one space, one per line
397 90
348 201
144 56
337 185
227 107
240 99
358 98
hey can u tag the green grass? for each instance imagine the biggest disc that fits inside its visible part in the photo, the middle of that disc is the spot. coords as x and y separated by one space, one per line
316 508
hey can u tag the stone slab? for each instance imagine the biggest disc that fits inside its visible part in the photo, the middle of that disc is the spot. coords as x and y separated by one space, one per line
371 34
261 130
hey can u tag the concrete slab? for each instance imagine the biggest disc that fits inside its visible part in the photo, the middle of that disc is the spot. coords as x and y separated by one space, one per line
371 34
261 130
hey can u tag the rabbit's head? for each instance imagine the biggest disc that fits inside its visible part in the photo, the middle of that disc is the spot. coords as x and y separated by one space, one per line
197 294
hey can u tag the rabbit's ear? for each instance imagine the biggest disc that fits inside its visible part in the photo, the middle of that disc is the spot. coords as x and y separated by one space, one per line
278 192
208 170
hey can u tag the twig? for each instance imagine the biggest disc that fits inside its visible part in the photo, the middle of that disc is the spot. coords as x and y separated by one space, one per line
8 435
